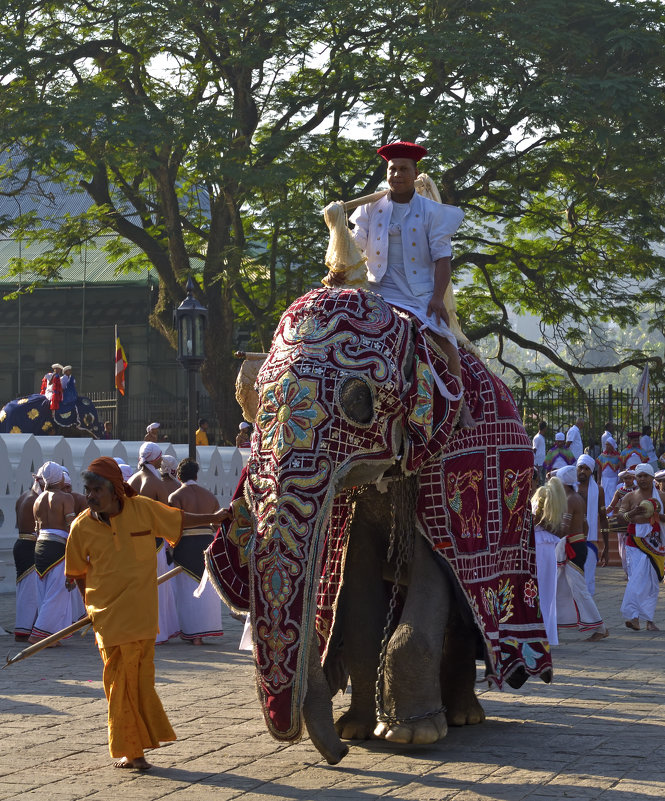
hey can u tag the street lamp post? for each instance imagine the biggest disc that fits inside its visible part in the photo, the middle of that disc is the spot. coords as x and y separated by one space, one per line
189 319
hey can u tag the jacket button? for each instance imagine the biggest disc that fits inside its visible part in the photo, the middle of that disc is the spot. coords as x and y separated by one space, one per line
414 244
381 212
413 258
417 215
414 272
378 252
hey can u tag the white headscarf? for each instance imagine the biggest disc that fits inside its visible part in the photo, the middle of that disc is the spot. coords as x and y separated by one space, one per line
567 475
148 452
644 468
52 474
169 466
560 436
587 461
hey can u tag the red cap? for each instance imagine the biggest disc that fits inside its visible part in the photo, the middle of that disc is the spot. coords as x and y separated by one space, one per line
402 150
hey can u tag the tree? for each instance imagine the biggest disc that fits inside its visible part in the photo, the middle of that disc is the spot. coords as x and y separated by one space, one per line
208 135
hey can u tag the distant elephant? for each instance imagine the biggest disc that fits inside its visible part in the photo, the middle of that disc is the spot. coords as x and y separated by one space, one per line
356 453
33 415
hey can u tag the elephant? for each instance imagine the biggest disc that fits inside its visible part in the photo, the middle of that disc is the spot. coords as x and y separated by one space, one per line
33 415
372 537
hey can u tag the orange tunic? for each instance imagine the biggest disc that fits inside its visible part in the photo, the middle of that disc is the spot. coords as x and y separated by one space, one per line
119 562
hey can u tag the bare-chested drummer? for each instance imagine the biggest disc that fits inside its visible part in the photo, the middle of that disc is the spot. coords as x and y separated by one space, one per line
54 512
27 580
643 509
575 606
147 481
199 617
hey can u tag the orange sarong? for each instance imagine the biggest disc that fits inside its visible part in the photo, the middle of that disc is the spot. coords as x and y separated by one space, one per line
136 716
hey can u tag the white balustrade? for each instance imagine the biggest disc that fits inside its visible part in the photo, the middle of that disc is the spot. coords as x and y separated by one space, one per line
21 455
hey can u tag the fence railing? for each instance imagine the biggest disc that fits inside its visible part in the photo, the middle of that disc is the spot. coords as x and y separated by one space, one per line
130 416
560 407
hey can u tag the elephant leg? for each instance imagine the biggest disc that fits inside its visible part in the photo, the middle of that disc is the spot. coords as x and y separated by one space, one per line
458 674
362 615
317 711
412 693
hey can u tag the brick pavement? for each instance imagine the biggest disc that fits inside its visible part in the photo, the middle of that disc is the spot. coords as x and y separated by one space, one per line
597 733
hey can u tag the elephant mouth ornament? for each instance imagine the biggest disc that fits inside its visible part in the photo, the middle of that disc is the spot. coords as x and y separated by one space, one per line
365 516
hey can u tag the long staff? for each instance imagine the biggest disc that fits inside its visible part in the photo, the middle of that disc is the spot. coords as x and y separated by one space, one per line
84 621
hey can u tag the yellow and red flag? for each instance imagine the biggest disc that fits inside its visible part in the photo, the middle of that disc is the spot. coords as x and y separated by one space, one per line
120 366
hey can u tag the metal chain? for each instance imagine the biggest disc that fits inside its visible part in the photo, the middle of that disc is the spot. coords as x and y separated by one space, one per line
402 533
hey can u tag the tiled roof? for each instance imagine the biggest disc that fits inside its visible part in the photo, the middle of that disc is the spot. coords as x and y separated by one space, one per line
93 264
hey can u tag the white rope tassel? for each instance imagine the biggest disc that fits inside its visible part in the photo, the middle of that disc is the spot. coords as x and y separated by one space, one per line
343 257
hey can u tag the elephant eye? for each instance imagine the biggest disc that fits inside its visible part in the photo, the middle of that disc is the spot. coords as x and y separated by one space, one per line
356 400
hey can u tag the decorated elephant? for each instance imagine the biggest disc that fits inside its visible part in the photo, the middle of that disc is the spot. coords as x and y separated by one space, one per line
359 472
33 415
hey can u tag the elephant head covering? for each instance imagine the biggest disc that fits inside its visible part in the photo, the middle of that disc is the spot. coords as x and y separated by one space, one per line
567 475
587 461
148 452
560 436
52 473
644 468
108 468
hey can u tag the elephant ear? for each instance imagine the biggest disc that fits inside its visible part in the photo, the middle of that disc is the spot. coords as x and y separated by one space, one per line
227 556
430 415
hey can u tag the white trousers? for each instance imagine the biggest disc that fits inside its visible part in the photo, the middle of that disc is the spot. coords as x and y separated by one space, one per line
55 603
546 571
199 617
641 595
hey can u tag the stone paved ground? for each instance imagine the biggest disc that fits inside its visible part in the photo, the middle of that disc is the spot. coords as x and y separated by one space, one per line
597 733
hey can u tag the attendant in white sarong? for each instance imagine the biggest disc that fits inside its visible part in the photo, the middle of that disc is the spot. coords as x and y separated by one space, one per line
27 579
644 511
200 614
54 512
617 524
575 606
548 504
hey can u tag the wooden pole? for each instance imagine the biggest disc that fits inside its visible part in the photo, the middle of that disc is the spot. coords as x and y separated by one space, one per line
84 621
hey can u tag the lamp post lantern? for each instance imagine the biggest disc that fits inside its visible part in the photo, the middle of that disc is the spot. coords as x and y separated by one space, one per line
189 319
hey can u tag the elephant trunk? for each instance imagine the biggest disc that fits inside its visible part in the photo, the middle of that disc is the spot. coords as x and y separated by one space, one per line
317 711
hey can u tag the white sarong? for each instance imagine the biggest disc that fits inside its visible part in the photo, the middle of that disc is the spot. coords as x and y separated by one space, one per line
546 571
575 607
641 594
199 617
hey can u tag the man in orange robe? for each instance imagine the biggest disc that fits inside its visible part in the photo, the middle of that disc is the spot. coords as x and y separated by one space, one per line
111 554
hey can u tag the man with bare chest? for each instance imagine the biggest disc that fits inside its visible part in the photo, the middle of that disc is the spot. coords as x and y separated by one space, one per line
147 481
27 580
575 606
199 617
643 510
593 496
54 512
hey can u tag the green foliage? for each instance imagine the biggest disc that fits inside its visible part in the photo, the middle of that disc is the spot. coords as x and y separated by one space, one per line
209 135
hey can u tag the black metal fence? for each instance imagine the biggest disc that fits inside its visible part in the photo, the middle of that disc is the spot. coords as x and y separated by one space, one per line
559 409
130 416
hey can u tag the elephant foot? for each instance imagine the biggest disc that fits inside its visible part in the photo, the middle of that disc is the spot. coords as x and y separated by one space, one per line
352 726
464 711
419 731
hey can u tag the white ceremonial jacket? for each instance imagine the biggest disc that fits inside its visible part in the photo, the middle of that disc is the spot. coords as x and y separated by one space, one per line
426 232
